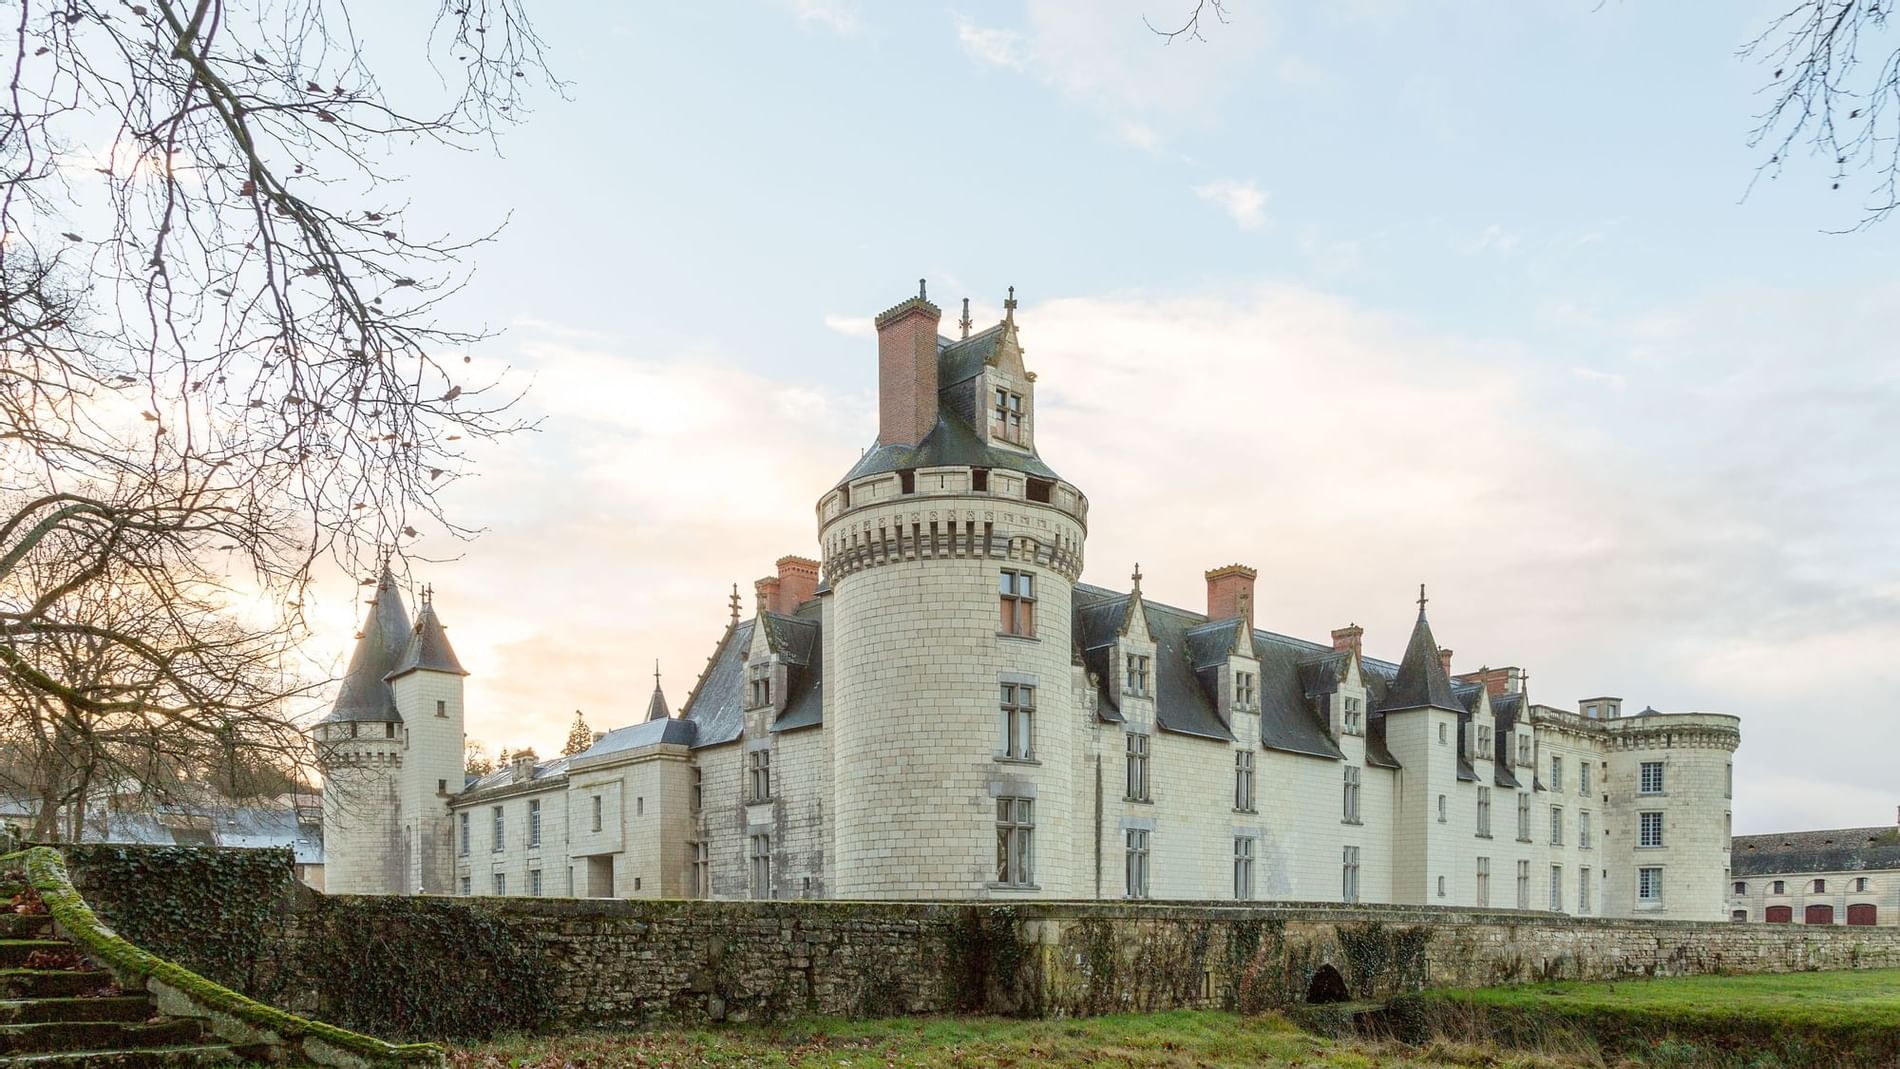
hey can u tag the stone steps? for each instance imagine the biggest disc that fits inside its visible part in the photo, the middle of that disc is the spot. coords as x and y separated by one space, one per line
49 1036
14 953
107 1008
24 925
153 1058
51 983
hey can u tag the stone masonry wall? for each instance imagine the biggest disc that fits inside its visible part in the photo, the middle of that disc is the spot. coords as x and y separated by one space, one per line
631 962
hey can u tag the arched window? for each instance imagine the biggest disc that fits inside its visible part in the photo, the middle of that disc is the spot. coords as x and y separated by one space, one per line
1779 915
1739 916
1818 915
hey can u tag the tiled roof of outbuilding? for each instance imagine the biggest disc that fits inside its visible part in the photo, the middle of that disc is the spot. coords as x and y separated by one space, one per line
1838 850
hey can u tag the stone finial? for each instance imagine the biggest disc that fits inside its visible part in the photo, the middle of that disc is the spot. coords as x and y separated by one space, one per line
1137 577
735 605
965 321
1009 307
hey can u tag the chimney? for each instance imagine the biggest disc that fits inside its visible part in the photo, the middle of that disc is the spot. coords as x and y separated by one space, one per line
1348 637
907 370
1496 680
523 766
1444 661
797 582
766 591
1230 593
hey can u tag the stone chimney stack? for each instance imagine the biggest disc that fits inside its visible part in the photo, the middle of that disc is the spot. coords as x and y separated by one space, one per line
766 593
1230 593
522 766
1349 637
907 370
1444 661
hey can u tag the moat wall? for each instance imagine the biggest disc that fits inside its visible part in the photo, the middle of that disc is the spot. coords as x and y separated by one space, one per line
449 967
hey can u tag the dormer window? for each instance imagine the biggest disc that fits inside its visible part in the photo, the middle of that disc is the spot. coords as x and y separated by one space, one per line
1354 717
1006 415
1524 749
1484 741
1244 690
761 690
1139 669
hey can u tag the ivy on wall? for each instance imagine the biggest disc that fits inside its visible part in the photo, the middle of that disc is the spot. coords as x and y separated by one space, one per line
220 913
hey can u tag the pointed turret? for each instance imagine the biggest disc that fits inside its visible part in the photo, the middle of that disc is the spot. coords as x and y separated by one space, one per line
427 648
1422 682
379 648
656 706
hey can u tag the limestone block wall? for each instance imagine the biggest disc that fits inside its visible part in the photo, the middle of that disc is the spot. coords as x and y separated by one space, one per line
1751 896
432 767
520 855
1695 751
362 792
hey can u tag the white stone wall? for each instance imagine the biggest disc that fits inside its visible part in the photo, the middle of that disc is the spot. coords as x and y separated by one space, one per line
432 768
1797 893
519 856
1695 750
363 850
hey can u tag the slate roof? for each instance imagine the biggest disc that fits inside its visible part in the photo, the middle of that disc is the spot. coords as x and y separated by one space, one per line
428 647
1421 682
365 694
804 688
1097 626
716 707
670 730
505 776
1838 850
656 705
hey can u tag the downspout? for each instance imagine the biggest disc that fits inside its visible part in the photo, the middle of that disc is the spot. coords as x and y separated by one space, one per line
1098 825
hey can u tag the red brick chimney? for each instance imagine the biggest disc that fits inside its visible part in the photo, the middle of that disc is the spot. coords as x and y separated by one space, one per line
1496 680
1348 637
907 370
797 582
1444 661
1230 593
765 591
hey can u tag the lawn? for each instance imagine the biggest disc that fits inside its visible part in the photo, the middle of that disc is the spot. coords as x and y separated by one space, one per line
1869 997
1178 1040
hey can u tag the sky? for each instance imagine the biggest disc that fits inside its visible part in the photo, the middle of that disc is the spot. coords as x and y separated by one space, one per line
1363 294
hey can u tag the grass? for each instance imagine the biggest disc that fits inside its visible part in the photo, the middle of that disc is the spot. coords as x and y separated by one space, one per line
1867 998
1176 1040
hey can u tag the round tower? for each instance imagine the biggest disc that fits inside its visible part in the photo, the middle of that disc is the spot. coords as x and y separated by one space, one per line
359 748
1669 785
951 551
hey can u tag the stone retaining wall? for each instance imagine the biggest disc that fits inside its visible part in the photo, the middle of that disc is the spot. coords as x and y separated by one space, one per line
633 962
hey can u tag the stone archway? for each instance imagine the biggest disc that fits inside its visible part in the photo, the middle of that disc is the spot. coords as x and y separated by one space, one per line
1327 986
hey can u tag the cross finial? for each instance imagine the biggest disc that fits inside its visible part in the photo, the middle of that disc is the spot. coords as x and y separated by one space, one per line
1421 600
965 321
1009 306
428 594
735 604
1137 577
656 673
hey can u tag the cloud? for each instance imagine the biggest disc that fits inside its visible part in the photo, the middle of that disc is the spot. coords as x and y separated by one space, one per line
1245 201
851 326
997 47
1495 238
1613 381
839 16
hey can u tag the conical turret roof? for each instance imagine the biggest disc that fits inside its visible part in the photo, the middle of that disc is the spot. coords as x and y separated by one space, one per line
656 706
365 695
1421 682
428 647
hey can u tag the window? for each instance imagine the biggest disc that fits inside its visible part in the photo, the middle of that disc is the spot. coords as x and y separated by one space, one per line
1523 885
639 805
1728 781
1583 890
1018 598
597 812
441 708
1243 780
1780 887
534 824
1583 829
1556 888
1556 825
1739 916
534 882
1137 863
1442 735
462 835
1583 778
389 730
1244 691
1139 672
1441 809
1650 778
1135 789
1484 742
760 865
1649 885
1355 717
1015 841
1556 773
1352 794
1820 887
1484 811
1006 415
1524 817
500 836
1441 887
1524 749
441 786
759 776
1019 721
1349 875
1740 888
1860 883
501 883
1484 881
697 796
1649 829
702 869
1243 867
467 886
760 693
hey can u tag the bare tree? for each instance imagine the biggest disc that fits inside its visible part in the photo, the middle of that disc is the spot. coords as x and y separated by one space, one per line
220 354
1835 94
1191 25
